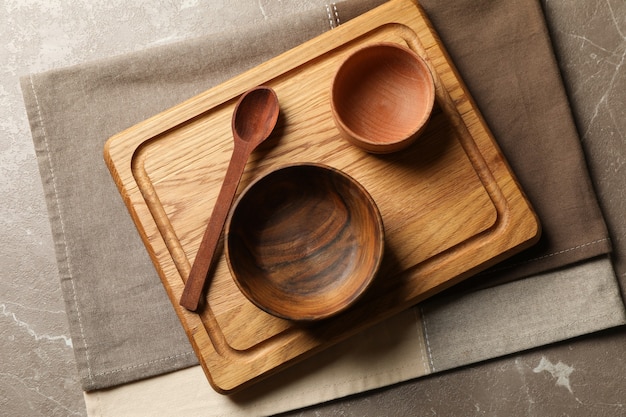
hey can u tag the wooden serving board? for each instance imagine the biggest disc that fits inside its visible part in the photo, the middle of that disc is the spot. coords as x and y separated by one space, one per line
450 204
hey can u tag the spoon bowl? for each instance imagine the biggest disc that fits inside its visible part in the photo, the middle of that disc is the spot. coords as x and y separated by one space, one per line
255 116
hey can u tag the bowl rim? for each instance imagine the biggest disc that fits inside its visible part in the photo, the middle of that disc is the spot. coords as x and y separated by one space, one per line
380 238
389 146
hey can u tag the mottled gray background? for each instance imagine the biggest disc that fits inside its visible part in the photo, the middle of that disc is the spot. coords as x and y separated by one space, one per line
583 377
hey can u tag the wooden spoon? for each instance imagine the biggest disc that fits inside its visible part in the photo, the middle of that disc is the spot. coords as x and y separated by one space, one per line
254 118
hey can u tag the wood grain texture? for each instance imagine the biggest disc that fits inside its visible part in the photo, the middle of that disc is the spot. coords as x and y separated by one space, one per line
304 241
450 203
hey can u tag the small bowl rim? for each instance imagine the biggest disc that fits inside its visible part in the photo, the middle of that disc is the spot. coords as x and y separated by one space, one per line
405 141
380 238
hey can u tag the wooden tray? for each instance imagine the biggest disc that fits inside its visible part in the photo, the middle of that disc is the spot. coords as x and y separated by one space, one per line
450 203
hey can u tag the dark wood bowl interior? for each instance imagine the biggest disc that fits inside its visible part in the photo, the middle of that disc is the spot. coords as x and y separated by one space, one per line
382 97
304 241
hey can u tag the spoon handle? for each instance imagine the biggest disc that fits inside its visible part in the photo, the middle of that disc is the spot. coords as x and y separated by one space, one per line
206 252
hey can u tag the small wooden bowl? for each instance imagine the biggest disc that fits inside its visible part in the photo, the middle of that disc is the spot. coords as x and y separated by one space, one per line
382 97
304 241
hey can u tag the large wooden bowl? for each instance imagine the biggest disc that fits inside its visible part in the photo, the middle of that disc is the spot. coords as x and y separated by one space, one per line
382 97
304 241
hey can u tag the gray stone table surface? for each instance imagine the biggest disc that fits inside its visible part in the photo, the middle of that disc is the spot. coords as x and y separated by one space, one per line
582 377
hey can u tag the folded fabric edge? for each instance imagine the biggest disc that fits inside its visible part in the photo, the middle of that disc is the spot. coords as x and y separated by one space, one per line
522 314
